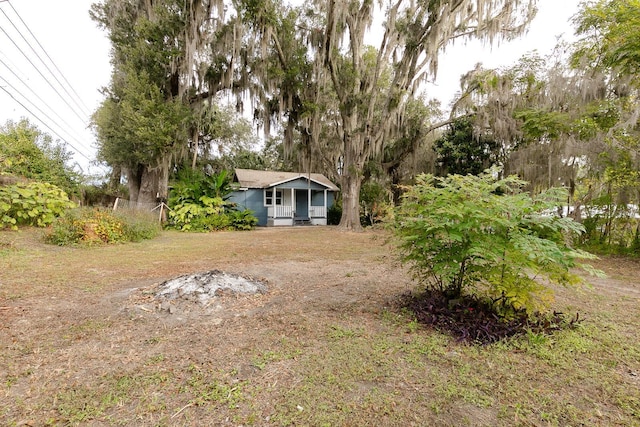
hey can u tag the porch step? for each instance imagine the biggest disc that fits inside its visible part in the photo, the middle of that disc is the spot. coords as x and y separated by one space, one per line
301 221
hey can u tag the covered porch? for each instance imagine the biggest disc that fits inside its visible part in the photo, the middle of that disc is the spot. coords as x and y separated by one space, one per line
288 206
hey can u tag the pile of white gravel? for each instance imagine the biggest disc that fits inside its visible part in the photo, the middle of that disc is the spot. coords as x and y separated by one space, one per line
202 287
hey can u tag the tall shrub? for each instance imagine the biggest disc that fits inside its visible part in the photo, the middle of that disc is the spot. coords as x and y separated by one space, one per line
486 237
34 203
27 152
198 203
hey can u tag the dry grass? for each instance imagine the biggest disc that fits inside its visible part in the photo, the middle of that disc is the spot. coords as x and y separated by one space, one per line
322 347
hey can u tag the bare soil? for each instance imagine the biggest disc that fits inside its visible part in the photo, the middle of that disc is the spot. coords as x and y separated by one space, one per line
84 340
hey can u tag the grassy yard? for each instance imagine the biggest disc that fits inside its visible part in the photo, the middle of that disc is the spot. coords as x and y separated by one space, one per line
81 342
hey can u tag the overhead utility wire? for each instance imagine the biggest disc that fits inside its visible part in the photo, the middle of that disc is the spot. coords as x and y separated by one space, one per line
49 127
78 151
86 109
11 70
42 112
44 123
42 75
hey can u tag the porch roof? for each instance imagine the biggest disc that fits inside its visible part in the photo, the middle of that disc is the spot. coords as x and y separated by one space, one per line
249 178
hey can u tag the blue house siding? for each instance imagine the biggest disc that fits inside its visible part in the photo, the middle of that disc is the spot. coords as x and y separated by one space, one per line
317 198
252 199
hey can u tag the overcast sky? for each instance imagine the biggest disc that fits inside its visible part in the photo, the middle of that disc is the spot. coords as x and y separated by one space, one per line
81 51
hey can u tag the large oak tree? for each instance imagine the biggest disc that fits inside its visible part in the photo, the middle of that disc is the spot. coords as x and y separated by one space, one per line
169 58
327 45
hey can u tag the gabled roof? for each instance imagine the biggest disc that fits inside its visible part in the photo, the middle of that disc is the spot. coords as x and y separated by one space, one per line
249 178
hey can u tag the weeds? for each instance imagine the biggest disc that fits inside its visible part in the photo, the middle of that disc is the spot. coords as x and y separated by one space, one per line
207 389
80 405
97 226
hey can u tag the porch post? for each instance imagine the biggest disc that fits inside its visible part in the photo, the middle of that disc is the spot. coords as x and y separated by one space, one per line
293 201
309 203
325 202
273 202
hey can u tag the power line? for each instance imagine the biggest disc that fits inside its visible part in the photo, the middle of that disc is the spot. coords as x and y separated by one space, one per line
36 107
42 75
44 123
49 127
86 109
11 70
81 144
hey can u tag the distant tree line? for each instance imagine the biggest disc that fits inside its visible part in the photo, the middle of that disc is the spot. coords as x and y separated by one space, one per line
184 71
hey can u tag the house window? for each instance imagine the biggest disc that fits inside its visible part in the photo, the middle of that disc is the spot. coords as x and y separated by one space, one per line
268 197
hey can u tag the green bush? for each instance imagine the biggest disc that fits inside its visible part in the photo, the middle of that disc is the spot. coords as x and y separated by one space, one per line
34 203
611 229
67 229
97 226
187 217
211 214
242 220
198 203
480 236
206 215
334 214
27 152
374 200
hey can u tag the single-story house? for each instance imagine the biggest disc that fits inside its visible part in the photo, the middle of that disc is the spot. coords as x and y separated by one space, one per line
284 198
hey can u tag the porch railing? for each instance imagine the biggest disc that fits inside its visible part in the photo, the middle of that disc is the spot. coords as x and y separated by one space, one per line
280 211
317 212
287 212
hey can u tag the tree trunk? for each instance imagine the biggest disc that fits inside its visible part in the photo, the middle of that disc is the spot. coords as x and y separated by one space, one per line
351 183
133 181
352 177
196 140
154 185
148 185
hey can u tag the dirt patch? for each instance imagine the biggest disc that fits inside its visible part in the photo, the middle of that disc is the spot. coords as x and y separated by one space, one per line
86 340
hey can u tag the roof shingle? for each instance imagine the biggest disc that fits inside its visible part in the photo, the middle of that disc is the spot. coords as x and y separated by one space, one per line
263 179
